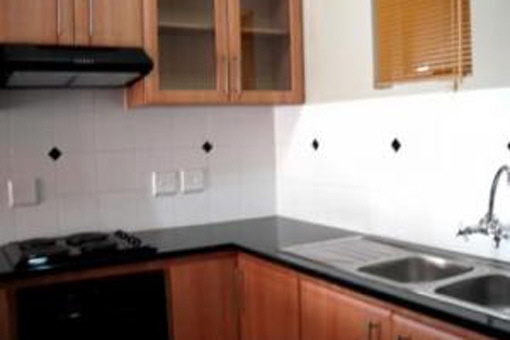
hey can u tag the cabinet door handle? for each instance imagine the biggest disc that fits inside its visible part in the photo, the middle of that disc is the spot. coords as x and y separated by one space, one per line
372 326
404 337
91 18
236 61
59 18
240 295
226 65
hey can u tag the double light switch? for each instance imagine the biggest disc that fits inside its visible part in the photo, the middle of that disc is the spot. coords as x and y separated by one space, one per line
185 181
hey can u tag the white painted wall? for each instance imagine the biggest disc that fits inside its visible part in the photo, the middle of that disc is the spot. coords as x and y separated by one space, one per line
102 181
339 50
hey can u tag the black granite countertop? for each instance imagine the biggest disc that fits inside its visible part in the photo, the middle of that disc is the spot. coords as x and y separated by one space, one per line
265 237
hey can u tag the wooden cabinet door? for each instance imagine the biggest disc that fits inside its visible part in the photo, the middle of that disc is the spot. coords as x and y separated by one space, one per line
269 301
328 314
187 40
266 53
203 298
408 329
5 312
109 23
47 22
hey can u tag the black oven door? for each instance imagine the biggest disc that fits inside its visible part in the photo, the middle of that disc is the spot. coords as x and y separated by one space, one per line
127 307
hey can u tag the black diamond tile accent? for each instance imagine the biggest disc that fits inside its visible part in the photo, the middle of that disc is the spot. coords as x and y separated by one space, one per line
207 147
315 144
396 145
508 146
55 154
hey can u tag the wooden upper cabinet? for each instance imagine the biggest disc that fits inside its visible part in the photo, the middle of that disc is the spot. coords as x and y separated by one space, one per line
187 40
204 298
109 23
222 52
269 301
47 22
266 51
328 314
112 23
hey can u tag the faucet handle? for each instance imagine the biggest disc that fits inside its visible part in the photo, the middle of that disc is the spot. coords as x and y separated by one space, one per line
469 230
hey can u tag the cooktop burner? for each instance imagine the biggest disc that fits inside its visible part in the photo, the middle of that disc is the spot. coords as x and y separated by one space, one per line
99 246
79 239
83 248
37 243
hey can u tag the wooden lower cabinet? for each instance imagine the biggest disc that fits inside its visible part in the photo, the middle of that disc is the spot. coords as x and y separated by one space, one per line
269 301
408 329
230 296
5 321
424 328
328 314
203 298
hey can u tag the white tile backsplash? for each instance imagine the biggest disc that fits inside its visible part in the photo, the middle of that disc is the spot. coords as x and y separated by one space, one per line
31 122
189 128
39 220
452 145
73 120
5 122
103 179
116 171
114 125
118 210
76 174
78 213
153 129
155 212
149 161
192 208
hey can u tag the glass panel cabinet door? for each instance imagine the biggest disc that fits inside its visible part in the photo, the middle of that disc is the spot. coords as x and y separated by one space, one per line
265 45
222 51
187 48
266 51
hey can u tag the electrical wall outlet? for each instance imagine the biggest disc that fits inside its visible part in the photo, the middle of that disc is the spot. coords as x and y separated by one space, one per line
193 180
165 183
23 192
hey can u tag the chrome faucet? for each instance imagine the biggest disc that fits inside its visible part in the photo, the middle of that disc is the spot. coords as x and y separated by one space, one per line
489 225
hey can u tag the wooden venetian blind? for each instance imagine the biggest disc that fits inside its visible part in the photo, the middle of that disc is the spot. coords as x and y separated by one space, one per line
422 39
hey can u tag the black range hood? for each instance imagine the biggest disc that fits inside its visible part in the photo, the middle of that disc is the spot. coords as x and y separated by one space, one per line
29 66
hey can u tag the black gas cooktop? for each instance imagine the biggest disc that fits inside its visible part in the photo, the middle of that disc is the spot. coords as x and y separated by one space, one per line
83 248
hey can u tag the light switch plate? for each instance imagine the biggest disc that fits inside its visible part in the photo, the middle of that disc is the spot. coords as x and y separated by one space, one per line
193 180
164 183
23 192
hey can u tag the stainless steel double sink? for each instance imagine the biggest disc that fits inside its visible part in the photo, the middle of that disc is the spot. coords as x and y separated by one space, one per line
416 269
461 282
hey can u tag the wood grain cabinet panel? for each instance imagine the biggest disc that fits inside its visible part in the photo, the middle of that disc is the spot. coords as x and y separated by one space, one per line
27 21
5 324
269 301
204 303
327 314
109 23
72 22
222 52
405 328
